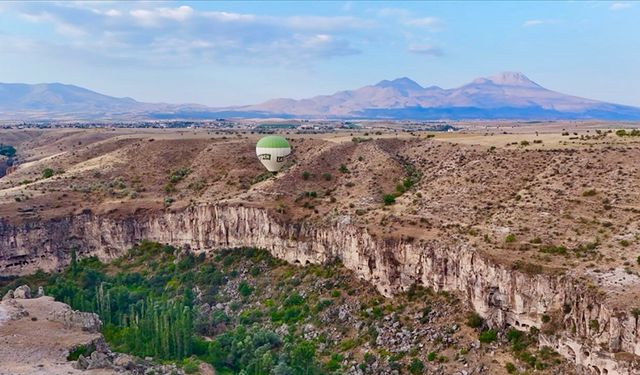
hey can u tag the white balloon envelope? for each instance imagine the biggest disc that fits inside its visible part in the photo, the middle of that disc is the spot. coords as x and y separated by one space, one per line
272 151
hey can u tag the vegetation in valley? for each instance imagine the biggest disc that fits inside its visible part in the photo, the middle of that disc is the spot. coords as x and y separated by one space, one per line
7 150
245 312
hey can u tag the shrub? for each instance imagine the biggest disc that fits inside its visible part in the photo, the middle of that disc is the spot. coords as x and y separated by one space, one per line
84 350
245 289
432 356
179 174
416 367
510 367
306 175
589 193
488 336
389 199
560 250
326 176
343 169
474 320
524 143
48 172
190 367
546 318
510 238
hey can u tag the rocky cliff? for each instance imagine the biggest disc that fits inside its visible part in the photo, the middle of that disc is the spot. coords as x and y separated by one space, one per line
574 319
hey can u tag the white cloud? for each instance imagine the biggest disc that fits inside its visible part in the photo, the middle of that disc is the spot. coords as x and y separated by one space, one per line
230 17
427 50
538 22
144 33
620 6
530 23
156 16
430 22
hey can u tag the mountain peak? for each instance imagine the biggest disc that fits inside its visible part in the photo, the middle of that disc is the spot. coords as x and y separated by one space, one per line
508 79
402 83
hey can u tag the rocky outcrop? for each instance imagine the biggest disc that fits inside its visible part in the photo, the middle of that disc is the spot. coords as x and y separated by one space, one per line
503 295
88 322
22 292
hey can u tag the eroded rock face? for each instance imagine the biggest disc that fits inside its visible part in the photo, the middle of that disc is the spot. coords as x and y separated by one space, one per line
502 295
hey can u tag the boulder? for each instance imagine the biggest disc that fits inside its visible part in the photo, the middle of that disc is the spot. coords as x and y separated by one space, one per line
82 363
22 292
99 360
124 361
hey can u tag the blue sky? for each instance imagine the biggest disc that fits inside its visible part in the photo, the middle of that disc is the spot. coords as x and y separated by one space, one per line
225 53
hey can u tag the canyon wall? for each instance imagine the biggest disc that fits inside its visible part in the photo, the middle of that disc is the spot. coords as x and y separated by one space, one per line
501 294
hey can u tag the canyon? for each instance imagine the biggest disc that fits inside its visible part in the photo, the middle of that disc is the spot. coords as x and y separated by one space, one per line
503 295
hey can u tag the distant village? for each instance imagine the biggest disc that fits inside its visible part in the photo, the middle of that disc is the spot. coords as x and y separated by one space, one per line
233 125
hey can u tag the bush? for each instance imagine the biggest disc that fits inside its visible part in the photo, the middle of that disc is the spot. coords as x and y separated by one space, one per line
510 238
191 367
343 169
432 356
389 199
177 175
488 336
510 367
589 193
306 175
416 367
474 320
326 176
84 350
48 172
245 289
558 250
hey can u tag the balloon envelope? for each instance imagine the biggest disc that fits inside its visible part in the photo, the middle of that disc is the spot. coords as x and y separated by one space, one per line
272 151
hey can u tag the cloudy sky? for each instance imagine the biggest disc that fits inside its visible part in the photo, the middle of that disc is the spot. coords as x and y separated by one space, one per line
224 53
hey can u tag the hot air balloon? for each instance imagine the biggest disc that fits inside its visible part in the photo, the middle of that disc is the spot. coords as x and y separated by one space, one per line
272 150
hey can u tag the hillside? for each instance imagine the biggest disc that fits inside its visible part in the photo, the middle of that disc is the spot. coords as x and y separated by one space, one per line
538 232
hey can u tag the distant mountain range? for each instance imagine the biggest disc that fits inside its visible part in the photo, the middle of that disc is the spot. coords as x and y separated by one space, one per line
508 95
